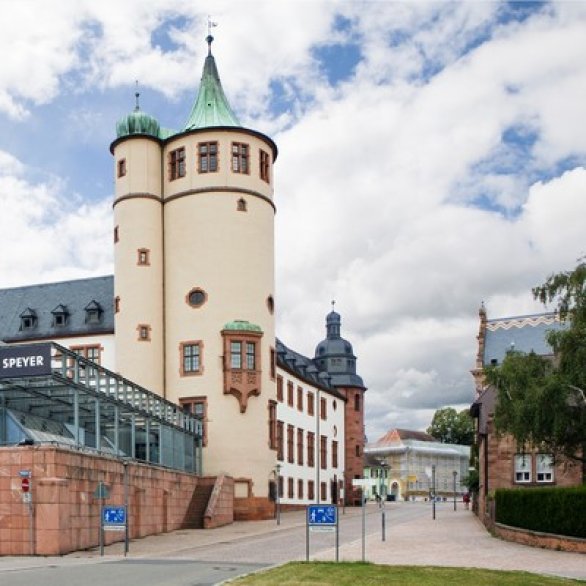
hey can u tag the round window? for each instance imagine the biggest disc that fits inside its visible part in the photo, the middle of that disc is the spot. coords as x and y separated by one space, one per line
197 297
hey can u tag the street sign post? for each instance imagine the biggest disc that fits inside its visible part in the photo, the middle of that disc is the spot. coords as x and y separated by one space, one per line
321 518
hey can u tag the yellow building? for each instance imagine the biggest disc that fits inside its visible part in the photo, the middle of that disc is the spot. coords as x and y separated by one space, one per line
403 463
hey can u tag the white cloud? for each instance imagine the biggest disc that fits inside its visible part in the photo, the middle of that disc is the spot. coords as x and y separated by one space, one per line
46 234
396 193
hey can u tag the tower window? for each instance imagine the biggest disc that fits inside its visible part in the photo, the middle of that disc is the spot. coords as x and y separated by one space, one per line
207 155
235 354
191 355
241 205
197 297
240 158
121 167
177 163
356 402
250 355
271 304
198 407
116 234
265 163
143 257
144 333
117 304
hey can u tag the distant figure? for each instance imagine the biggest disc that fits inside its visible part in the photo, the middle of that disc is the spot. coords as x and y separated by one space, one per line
466 499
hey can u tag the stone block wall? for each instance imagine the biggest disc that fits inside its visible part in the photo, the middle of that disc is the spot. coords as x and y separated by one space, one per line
64 515
220 510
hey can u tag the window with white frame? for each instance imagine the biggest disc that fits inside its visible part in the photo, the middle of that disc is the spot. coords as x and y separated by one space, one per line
544 467
522 468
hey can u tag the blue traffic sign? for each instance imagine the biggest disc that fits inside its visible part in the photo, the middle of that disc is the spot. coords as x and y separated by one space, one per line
322 515
114 515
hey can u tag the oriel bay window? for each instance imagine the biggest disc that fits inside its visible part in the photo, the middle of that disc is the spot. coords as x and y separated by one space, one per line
242 368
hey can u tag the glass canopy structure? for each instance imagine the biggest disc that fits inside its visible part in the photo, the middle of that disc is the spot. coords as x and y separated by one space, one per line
51 395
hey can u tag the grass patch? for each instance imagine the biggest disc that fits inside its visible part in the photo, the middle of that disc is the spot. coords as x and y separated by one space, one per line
363 574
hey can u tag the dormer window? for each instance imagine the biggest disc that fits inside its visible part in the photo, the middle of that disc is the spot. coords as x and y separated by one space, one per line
60 316
28 319
93 312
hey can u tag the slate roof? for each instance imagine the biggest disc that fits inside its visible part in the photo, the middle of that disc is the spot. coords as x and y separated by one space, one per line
43 299
305 369
523 334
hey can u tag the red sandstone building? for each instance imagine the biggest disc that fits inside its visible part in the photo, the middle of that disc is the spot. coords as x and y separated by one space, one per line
503 464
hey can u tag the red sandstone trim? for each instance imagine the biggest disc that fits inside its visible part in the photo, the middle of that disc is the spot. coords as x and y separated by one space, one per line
539 539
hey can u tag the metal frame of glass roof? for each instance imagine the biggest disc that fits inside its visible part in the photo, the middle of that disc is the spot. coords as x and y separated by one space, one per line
97 410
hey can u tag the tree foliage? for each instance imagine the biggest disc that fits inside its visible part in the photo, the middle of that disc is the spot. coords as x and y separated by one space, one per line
542 401
450 427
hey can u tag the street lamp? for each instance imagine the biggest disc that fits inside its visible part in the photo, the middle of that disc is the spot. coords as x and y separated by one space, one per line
455 474
277 472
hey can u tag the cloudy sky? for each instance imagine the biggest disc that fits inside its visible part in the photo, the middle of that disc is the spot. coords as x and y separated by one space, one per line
432 156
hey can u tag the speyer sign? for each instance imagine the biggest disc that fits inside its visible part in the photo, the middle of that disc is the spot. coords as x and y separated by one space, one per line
17 361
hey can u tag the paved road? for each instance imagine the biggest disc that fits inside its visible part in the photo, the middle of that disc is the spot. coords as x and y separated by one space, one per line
198 557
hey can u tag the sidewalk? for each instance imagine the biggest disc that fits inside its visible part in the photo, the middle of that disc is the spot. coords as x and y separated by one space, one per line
459 539
453 539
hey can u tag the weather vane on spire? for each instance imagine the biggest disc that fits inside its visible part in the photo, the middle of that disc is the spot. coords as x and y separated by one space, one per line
209 38
137 95
333 304
211 24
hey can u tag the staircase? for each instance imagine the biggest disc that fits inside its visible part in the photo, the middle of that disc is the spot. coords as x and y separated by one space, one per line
197 506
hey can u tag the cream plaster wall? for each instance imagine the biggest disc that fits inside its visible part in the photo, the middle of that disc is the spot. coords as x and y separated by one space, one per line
229 254
140 288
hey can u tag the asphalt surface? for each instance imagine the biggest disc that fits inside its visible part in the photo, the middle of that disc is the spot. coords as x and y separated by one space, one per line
190 557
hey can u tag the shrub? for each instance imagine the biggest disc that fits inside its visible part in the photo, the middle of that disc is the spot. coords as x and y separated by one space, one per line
550 510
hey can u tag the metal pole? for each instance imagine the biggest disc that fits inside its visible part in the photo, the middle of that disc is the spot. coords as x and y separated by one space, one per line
126 529
278 497
337 535
455 474
383 522
101 492
306 535
433 490
363 526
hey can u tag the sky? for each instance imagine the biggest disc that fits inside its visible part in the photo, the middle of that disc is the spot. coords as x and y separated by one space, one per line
432 156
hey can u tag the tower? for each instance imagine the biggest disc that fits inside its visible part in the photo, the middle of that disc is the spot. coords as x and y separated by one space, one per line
198 205
335 356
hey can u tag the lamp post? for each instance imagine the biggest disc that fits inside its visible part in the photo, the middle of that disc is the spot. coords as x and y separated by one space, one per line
278 492
455 474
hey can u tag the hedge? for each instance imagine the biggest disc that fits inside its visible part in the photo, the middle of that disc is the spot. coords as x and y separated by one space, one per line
561 511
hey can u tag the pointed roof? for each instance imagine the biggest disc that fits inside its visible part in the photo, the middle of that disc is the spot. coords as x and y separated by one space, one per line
211 107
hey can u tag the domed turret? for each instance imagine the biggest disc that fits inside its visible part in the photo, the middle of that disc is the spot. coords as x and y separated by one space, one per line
335 355
137 122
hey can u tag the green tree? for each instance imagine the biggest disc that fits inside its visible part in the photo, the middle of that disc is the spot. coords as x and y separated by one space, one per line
541 401
450 427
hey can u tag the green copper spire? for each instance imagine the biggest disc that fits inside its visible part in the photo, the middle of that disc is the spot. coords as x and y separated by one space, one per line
211 107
